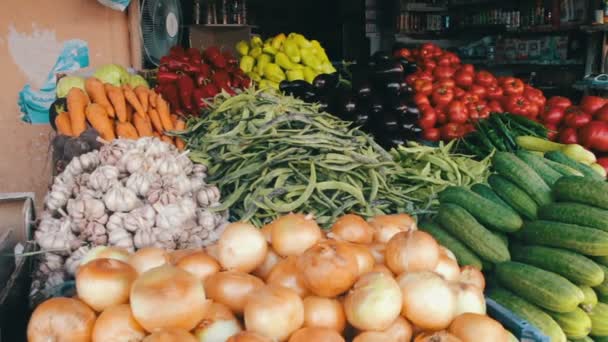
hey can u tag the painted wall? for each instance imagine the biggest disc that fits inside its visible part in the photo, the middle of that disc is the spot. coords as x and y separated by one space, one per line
31 36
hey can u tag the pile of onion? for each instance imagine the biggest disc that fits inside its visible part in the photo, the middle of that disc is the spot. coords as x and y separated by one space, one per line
352 228
148 258
102 283
218 324
292 234
386 226
242 247
117 323
61 319
232 289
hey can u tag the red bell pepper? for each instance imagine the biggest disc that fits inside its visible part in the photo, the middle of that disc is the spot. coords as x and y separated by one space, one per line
177 51
442 96
164 77
518 105
485 79
559 101
604 162
592 104
215 57
210 90
575 117
198 97
229 57
171 94
185 85
553 132
194 55
513 86
553 115
594 135
568 136
457 112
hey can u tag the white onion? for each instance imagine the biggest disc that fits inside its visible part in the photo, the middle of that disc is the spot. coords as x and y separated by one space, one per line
470 327
383 269
428 300
285 273
437 336
444 251
473 276
274 311
399 331
469 299
447 268
386 226
316 334
378 250
242 247
199 264
323 312
232 289
102 283
374 302
248 336
412 251
272 258
106 252
168 297
292 234
170 335
147 258
352 228
218 324
61 319
116 324
365 259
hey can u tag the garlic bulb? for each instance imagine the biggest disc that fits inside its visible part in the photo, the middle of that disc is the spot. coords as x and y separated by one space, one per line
103 177
58 196
140 218
207 196
87 208
141 182
164 191
144 238
72 263
56 235
119 198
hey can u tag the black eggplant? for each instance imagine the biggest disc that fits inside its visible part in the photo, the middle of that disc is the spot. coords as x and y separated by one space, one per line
347 108
59 106
361 119
380 57
297 88
324 103
363 90
376 106
405 89
310 96
390 122
391 90
323 83
389 71
410 69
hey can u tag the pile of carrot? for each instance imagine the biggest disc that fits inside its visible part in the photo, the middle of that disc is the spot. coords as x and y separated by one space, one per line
121 112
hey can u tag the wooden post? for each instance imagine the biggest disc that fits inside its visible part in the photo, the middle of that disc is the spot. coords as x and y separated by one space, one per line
135 36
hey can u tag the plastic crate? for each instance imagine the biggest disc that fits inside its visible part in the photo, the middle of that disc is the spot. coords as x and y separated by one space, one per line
523 330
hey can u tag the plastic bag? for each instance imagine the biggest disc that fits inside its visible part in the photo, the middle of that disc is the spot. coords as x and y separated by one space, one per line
119 5
35 104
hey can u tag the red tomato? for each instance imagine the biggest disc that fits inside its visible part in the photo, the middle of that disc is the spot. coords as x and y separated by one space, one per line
421 99
444 61
575 117
518 105
469 98
459 92
431 134
442 96
410 79
446 82
494 92
495 107
468 128
479 91
568 136
442 72
535 96
533 111
452 131
463 78
553 115
485 79
559 101
428 119
429 65
468 68
441 116
423 87
454 59
403 53
425 75
592 104
553 133
513 86
457 112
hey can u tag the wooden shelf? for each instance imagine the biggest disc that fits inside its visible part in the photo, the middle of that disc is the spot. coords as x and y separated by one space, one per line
422 7
595 28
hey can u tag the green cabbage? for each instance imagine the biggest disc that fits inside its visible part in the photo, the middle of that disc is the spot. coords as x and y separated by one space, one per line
113 74
137 80
68 82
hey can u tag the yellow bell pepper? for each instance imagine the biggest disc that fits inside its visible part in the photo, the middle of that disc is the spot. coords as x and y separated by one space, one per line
301 41
309 74
267 84
254 76
315 44
255 52
261 62
309 59
293 75
247 63
242 48
273 72
290 47
269 49
327 68
256 41
283 61
278 41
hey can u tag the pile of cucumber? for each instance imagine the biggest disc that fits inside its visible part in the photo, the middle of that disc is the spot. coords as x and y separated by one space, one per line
539 231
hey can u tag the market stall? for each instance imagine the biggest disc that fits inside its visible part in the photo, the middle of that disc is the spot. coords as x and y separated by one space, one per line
266 192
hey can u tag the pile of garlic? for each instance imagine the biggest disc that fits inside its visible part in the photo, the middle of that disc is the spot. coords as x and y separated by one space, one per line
131 194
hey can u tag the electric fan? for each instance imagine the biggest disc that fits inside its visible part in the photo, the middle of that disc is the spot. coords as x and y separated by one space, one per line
161 28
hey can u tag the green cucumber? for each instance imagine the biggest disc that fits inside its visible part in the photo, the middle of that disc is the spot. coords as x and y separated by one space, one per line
543 288
565 170
590 298
602 289
582 190
514 196
537 163
529 312
587 241
518 172
599 338
487 192
560 157
575 324
577 268
478 238
599 320
463 254
602 260
575 213
485 211
584 339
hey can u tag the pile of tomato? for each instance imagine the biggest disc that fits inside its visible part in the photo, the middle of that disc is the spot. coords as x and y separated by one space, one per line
452 96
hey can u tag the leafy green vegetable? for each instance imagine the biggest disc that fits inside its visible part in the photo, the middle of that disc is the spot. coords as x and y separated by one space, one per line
68 82
113 74
137 80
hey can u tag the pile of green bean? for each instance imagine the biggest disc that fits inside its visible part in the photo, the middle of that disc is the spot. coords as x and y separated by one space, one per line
272 154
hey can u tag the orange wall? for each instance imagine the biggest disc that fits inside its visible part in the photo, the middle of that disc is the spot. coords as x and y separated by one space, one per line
24 149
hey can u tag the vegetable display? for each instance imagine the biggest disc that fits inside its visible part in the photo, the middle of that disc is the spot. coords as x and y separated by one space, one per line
283 57
331 297
186 78
130 194
548 268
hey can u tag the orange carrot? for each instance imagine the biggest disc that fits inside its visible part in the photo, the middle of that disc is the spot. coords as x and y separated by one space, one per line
156 134
163 112
63 124
142 94
98 118
180 125
77 102
126 130
167 139
118 101
174 118
158 125
97 93
132 99
152 99
143 126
